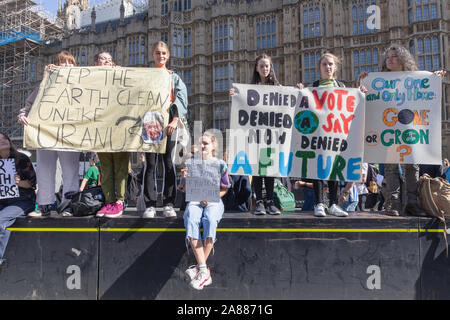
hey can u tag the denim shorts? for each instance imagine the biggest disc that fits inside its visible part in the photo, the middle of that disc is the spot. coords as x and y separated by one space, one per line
196 217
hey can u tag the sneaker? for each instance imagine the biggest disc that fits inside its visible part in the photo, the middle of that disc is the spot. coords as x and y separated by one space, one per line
319 210
115 211
67 212
105 209
41 211
202 279
260 208
335 210
149 213
169 212
271 208
191 272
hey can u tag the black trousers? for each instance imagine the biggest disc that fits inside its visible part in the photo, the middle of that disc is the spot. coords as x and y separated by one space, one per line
170 178
257 186
333 187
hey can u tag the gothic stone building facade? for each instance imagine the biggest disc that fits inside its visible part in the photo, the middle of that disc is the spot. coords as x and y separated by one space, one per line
214 43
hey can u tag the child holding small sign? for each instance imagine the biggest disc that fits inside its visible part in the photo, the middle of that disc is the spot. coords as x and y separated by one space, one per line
264 74
24 179
204 214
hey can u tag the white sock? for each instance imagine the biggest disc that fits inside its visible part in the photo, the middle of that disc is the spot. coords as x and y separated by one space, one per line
202 267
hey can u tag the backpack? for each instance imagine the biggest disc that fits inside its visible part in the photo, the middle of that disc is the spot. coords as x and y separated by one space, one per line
371 182
84 203
282 197
434 195
229 199
133 186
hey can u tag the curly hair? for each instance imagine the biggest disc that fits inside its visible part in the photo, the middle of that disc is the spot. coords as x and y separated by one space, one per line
97 57
406 59
271 78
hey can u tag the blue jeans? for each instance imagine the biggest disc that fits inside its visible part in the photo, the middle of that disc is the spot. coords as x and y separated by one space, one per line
10 209
196 216
349 206
309 199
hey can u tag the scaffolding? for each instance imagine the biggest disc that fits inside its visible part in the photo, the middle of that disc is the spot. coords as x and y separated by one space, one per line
24 28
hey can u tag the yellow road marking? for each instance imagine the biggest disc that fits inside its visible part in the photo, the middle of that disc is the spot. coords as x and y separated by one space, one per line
346 230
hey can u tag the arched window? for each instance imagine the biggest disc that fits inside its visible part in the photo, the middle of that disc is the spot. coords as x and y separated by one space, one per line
266 33
428 54
312 20
422 10
360 16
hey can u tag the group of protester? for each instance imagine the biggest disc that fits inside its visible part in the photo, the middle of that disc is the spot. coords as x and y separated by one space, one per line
369 193
201 218
110 170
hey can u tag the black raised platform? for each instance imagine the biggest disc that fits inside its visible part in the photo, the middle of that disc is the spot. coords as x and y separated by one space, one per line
292 256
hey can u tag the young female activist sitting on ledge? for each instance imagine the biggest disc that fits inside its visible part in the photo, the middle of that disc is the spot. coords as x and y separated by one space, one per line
25 178
204 214
328 68
46 159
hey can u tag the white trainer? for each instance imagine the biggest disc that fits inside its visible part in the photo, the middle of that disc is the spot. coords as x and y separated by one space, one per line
319 210
149 213
191 272
335 210
169 212
201 280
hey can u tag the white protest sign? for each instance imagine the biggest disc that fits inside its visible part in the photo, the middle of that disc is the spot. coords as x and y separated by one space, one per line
281 131
100 109
203 180
403 112
8 186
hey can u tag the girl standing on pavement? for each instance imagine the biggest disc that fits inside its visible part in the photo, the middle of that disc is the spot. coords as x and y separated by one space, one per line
264 74
328 68
47 159
178 109
396 58
114 166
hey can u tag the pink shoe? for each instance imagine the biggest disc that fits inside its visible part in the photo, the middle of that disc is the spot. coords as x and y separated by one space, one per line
105 209
115 211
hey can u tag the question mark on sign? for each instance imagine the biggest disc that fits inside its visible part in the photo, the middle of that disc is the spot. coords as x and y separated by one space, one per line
405 153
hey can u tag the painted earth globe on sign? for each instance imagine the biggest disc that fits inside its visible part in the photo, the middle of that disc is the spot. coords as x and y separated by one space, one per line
306 122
